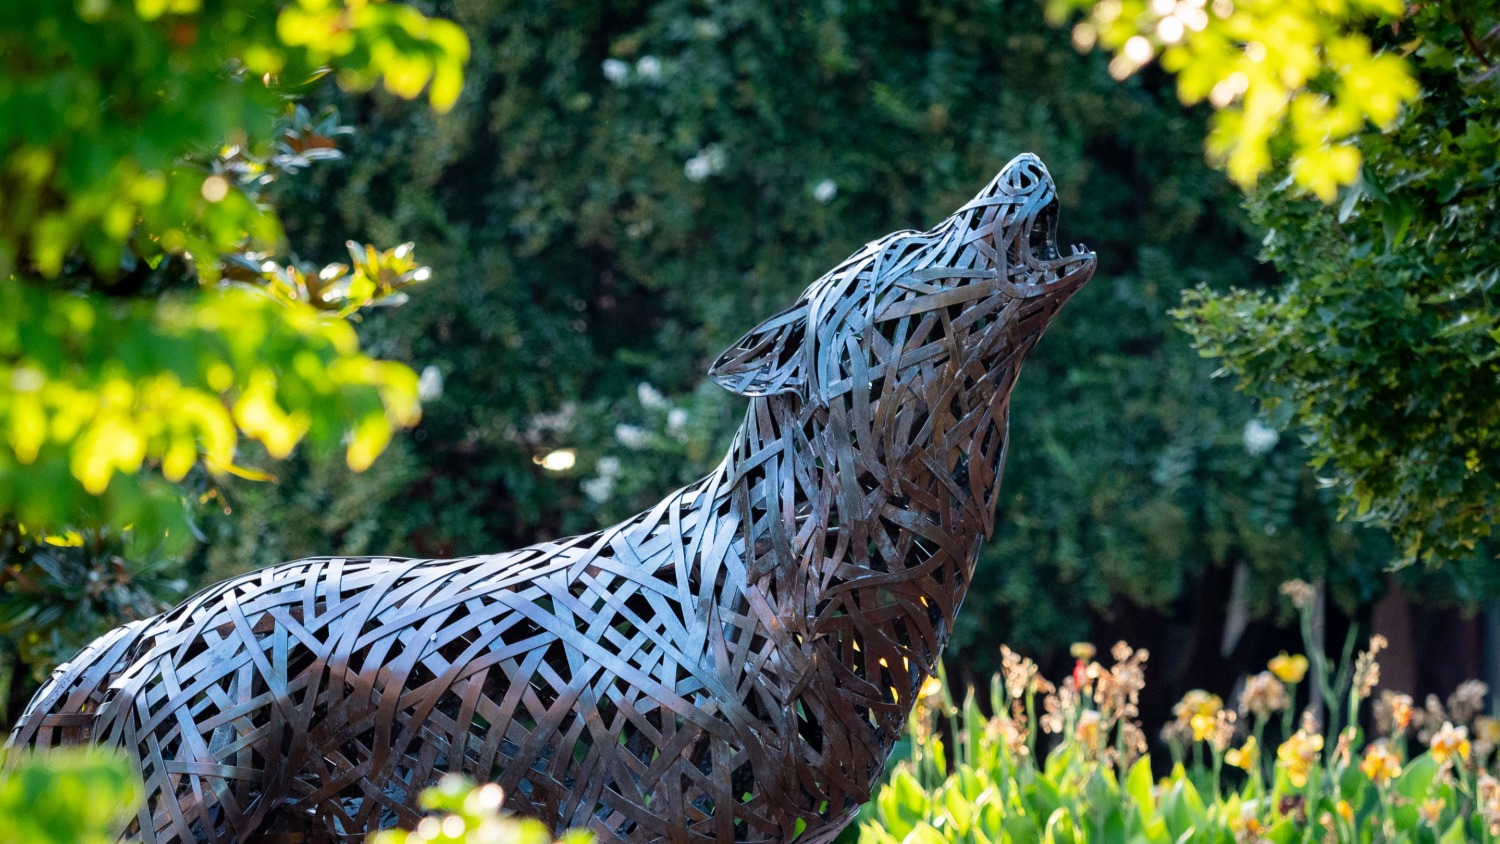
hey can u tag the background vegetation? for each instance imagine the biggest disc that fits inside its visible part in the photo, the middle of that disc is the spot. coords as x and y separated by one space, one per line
614 195
621 188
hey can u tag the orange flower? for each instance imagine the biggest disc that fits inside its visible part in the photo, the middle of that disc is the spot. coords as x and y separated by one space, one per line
1450 741
1401 711
1243 756
1297 755
1432 811
1380 764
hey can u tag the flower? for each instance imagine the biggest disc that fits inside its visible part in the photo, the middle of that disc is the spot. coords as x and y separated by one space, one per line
1117 691
598 489
1223 732
430 383
1467 700
1300 592
1430 719
1380 764
709 161
1489 802
1197 702
1203 727
1297 755
1243 756
1259 437
1057 706
1288 669
1432 811
1345 811
615 70
1082 651
1486 734
1020 674
826 190
1395 711
1450 741
931 687
649 67
1087 731
677 420
650 397
633 437
1263 695
1246 826
1366 669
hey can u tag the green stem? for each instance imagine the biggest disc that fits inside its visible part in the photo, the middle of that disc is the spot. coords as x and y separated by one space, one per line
1257 777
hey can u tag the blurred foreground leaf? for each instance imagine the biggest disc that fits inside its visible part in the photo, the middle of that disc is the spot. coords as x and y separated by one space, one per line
68 796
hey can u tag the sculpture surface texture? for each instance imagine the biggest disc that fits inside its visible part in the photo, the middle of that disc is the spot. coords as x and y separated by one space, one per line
734 664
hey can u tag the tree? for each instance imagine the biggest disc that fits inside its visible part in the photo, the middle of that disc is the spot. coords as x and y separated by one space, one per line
147 328
1384 345
1291 81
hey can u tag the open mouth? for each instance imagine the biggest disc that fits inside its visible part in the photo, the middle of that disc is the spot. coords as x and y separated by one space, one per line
1035 246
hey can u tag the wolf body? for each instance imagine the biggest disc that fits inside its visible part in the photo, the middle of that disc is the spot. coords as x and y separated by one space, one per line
734 664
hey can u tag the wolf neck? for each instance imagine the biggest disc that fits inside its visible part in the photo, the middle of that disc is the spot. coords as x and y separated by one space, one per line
863 530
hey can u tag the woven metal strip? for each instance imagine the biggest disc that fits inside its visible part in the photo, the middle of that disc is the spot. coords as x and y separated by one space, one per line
734 664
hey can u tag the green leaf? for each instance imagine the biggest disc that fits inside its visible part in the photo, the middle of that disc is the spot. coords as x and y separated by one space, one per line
1416 780
1138 785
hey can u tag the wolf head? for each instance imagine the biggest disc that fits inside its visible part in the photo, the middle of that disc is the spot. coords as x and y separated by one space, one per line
977 290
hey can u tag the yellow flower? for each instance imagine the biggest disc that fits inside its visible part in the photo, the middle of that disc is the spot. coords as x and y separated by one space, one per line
1244 756
1197 702
1297 755
1432 811
1487 728
1450 741
1288 669
1082 650
1203 727
1345 811
1380 764
931 687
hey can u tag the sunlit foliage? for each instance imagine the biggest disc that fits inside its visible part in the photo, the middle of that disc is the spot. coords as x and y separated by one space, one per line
100 387
461 812
1385 342
145 173
1290 80
154 321
102 100
73 796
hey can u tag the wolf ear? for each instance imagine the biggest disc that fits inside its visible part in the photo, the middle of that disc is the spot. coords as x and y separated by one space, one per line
769 359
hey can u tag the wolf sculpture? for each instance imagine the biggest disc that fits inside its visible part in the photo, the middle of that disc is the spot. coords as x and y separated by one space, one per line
734 664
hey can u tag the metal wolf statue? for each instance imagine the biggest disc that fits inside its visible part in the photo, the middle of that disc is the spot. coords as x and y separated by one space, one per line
732 665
